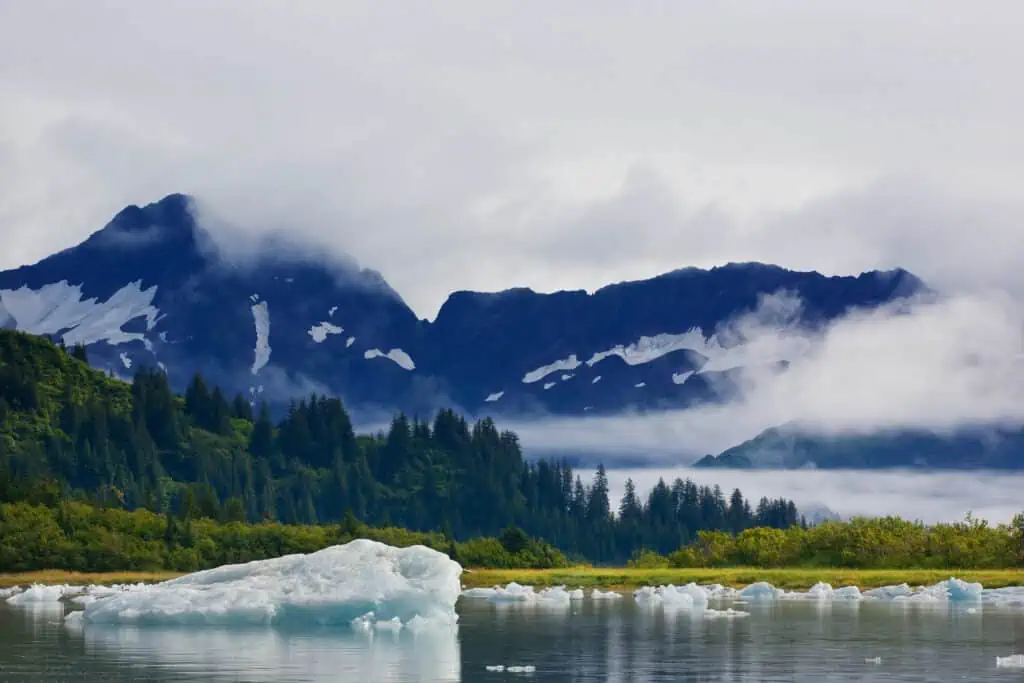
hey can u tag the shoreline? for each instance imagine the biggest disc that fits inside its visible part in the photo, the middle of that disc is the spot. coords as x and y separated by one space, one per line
611 578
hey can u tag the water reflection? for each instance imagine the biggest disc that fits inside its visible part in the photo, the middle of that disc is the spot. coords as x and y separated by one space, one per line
277 654
588 641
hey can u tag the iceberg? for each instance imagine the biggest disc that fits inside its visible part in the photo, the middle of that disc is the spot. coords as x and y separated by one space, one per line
360 580
517 593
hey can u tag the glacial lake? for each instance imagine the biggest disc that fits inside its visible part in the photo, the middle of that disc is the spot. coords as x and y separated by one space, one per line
590 640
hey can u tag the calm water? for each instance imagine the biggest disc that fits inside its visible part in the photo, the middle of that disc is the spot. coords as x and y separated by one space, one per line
589 641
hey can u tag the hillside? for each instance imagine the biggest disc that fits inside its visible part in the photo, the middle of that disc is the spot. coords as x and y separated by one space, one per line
68 431
981 447
152 288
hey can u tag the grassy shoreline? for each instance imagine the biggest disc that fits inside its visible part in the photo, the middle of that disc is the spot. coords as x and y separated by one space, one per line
616 578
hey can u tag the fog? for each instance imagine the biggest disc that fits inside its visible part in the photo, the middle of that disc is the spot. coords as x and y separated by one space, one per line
928 496
934 365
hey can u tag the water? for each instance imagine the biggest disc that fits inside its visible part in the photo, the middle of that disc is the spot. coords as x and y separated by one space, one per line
587 641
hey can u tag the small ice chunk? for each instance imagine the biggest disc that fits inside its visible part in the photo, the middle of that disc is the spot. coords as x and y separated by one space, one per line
762 590
526 669
331 310
598 594
548 385
494 397
126 360
681 377
496 668
1011 662
596 380
729 613
872 660
8 592
689 596
39 593
640 385
350 341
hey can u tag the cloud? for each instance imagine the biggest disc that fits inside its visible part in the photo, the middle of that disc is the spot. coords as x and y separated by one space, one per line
932 364
468 145
930 497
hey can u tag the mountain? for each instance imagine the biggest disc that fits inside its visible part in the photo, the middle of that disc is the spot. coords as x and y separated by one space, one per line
789 447
152 288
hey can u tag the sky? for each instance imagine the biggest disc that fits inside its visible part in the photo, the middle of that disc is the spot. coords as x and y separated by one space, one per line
467 145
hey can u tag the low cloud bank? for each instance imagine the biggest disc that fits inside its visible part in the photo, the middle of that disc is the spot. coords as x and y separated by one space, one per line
928 496
934 365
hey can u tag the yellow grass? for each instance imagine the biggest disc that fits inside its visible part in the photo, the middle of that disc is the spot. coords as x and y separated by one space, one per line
57 577
615 577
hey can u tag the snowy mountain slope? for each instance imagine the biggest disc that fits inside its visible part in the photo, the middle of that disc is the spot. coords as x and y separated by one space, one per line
151 288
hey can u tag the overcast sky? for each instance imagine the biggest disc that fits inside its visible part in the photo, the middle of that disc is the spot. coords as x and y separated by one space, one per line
483 145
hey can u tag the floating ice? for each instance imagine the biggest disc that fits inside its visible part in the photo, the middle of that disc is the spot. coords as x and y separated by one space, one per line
261 318
39 593
397 356
350 341
548 385
598 594
762 590
8 592
320 332
514 592
872 660
527 669
331 310
690 596
126 360
951 590
359 580
1011 662
729 613
494 397
596 380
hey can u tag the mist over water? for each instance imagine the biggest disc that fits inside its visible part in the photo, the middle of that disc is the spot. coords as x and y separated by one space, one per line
927 496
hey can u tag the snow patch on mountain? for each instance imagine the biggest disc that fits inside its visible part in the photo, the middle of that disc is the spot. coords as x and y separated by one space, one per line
397 356
320 332
261 317
646 349
681 377
58 308
570 363
491 398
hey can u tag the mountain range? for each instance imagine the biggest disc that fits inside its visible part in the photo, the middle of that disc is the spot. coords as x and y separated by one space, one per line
153 288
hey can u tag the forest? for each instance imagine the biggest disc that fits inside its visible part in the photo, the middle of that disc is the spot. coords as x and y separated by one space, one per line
70 433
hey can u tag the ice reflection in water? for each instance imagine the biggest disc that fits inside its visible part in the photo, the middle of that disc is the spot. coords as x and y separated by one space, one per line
274 655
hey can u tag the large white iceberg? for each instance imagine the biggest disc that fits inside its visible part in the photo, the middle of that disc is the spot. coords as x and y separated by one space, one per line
361 580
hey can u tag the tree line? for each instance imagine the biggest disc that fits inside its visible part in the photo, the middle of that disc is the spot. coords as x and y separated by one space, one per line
69 432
